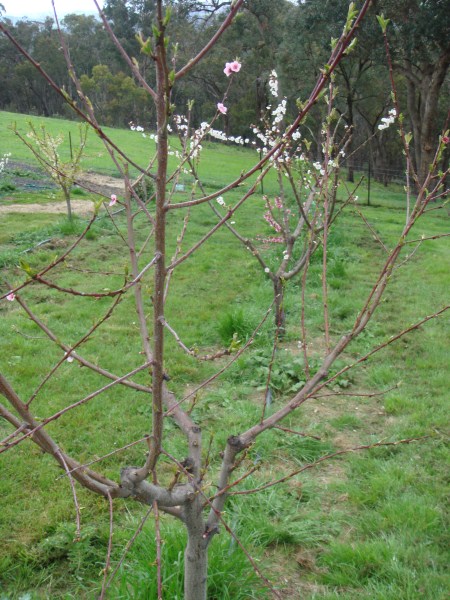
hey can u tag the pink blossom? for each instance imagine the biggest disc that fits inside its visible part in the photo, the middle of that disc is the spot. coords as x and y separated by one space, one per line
113 200
11 297
232 67
227 69
222 108
269 218
278 202
445 139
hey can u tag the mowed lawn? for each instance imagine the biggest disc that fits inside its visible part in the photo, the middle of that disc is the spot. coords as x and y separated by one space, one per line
369 524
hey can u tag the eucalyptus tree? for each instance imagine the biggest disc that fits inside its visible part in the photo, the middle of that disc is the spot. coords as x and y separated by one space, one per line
420 44
21 87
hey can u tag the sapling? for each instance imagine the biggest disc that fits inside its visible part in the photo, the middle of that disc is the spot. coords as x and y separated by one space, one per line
46 150
197 492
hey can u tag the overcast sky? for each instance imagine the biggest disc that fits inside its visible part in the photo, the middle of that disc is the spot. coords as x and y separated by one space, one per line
39 8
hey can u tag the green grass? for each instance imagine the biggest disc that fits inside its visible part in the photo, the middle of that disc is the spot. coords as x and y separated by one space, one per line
232 160
370 524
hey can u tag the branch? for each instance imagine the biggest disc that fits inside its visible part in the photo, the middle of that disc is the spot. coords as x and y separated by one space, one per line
37 427
66 98
89 479
68 350
333 62
323 459
131 64
212 42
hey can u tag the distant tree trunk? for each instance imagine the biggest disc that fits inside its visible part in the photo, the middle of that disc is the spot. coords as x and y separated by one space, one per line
261 97
349 151
68 204
423 89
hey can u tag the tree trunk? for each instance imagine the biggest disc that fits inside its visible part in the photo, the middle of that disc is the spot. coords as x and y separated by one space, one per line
195 554
423 90
69 206
195 569
280 317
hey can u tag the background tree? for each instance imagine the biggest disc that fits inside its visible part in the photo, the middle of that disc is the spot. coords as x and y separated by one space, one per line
421 48
44 147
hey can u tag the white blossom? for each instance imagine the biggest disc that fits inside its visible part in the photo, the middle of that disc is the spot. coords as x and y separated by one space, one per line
273 83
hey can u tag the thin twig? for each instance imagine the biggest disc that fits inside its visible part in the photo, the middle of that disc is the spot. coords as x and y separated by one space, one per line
128 547
96 460
57 415
75 500
108 553
321 460
230 362
74 347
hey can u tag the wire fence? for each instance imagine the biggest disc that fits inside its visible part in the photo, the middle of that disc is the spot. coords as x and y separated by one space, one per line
377 187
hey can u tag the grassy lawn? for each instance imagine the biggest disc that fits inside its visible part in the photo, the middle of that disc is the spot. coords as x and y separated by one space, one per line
367 525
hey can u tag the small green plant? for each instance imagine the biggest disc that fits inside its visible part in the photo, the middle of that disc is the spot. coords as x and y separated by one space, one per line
235 326
6 187
144 188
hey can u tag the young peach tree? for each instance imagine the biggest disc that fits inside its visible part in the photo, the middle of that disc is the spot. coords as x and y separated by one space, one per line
197 493
44 147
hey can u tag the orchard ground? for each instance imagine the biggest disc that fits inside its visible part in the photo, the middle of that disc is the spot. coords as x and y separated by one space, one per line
369 524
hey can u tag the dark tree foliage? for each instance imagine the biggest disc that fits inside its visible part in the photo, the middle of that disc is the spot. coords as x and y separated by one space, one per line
294 39
420 43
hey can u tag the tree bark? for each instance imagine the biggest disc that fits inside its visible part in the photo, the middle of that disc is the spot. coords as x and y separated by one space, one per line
196 553
69 206
280 316
423 89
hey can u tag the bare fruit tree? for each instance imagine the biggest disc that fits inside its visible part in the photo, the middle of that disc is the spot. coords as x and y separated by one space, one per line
44 147
197 493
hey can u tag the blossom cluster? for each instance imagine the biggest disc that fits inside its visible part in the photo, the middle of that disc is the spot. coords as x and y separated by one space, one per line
386 121
4 162
279 113
273 84
232 67
141 130
272 132
134 127
48 148
268 217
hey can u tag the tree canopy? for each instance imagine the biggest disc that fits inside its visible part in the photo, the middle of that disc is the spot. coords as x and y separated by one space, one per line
292 38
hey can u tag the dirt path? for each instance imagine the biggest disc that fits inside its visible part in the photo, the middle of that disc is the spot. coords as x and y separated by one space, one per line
92 182
79 207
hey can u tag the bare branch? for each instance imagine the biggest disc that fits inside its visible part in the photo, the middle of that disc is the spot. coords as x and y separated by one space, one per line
323 459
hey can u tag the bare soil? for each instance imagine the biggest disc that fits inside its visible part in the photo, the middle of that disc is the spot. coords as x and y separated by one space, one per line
79 207
101 184
91 182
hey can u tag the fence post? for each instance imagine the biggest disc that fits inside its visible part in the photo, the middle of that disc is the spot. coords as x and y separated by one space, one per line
70 144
